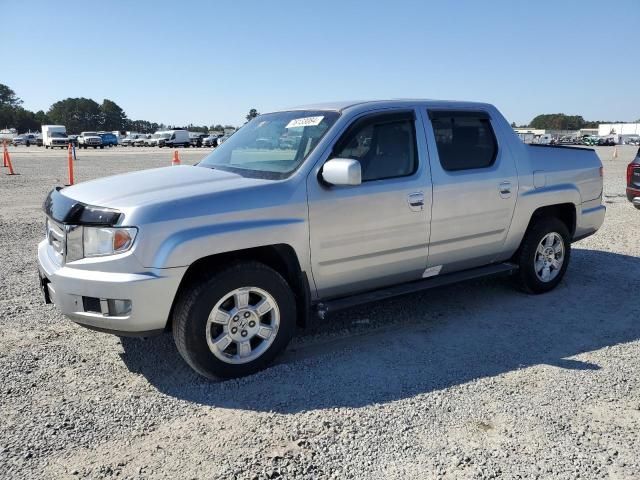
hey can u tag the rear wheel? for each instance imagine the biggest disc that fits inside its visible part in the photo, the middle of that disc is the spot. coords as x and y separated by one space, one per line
543 256
235 321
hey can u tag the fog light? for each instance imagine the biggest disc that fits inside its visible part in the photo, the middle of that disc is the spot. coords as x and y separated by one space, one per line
118 308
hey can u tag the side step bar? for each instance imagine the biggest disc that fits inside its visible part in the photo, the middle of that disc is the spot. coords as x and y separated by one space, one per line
329 306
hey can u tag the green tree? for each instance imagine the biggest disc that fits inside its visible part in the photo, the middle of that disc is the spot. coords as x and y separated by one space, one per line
8 97
42 118
25 120
253 113
142 126
558 121
113 117
77 114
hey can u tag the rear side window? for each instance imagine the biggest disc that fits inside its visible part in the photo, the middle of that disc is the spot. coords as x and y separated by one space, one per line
384 144
465 140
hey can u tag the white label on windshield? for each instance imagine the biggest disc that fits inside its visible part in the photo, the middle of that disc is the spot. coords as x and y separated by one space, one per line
305 122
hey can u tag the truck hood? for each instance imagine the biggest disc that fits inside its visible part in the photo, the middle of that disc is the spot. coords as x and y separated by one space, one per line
157 186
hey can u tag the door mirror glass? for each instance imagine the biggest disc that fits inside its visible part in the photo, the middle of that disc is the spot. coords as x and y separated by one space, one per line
342 171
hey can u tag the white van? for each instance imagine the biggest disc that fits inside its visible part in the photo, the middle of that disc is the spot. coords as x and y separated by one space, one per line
54 136
178 138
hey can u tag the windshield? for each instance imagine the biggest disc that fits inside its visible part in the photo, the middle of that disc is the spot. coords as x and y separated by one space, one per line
58 134
88 134
271 145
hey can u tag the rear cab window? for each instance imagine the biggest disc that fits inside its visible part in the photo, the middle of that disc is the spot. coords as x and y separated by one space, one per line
465 139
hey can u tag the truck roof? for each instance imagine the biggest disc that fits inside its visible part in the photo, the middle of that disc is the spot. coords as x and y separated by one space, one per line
340 106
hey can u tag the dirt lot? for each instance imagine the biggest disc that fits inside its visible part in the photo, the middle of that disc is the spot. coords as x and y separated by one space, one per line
470 381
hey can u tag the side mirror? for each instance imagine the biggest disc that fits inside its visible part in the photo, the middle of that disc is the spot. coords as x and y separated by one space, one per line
342 171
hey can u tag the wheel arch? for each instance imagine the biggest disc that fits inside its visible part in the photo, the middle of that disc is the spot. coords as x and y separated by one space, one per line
565 212
280 257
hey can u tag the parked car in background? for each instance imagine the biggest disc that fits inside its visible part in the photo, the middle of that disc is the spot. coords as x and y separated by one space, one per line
210 141
26 139
89 139
233 254
157 139
633 181
590 140
73 140
196 138
606 141
223 139
108 139
177 138
129 140
140 141
54 136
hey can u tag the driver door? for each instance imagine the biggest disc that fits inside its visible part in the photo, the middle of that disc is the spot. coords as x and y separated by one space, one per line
376 233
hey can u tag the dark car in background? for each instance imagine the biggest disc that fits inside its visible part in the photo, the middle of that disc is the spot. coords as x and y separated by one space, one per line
633 181
196 138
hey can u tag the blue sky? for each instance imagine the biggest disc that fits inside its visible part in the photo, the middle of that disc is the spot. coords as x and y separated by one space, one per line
209 62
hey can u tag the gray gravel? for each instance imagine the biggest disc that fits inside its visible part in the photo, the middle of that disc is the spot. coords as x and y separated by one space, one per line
471 381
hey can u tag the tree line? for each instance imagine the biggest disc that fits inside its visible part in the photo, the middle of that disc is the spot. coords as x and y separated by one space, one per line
80 114
560 121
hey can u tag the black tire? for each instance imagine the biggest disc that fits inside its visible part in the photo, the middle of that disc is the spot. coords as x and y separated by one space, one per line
526 278
101 147
196 301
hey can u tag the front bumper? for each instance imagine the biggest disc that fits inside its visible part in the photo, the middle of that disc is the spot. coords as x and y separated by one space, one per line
151 292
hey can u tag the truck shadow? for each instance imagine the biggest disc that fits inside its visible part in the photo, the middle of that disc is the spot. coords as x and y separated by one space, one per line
432 341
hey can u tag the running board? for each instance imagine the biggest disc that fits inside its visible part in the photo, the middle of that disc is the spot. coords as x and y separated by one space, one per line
329 306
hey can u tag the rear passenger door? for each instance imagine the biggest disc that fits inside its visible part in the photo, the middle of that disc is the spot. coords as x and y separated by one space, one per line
475 186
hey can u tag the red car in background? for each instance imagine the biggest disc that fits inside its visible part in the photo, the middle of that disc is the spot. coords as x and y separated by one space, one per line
633 181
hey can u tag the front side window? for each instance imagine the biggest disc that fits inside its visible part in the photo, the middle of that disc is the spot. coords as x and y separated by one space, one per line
465 140
272 145
384 145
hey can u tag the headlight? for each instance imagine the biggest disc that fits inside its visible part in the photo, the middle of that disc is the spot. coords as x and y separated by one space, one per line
99 241
83 241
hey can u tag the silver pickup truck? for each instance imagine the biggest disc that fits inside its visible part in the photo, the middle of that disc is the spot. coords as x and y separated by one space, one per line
306 211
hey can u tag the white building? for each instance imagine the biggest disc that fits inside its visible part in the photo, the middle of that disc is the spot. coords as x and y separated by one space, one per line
619 129
529 135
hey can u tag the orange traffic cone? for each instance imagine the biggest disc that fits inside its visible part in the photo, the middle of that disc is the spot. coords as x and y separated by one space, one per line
176 158
5 153
7 160
70 164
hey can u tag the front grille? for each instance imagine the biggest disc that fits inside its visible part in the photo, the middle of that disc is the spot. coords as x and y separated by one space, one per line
56 239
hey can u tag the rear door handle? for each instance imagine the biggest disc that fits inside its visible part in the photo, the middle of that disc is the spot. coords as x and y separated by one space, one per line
505 189
416 201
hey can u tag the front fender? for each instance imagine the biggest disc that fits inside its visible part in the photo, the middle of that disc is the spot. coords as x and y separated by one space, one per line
186 246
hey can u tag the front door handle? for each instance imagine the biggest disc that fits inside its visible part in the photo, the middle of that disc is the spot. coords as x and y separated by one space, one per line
505 189
416 201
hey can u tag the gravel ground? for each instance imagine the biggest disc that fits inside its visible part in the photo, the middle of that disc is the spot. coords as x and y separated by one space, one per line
470 381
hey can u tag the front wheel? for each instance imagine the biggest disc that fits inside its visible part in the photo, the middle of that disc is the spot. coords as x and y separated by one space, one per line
235 321
543 256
